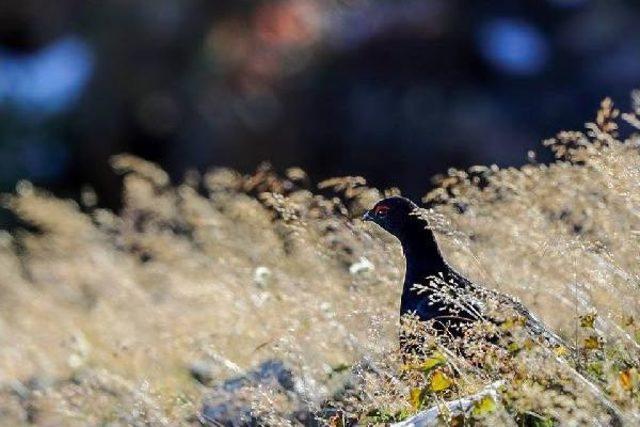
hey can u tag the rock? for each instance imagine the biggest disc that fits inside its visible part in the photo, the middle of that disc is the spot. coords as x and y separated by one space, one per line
229 403
463 406
202 372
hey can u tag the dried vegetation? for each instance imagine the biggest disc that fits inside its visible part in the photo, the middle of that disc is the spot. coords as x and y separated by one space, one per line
119 318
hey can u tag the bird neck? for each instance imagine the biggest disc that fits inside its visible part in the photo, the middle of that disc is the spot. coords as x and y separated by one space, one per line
421 252
423 259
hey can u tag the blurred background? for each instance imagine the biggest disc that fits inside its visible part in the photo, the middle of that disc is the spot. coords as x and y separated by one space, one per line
394 90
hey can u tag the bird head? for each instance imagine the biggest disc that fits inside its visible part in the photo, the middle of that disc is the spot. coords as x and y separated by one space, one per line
392 214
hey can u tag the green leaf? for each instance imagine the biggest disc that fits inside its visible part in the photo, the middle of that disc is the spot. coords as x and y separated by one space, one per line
381 416
513 347
439 381
436 359
484 406
512 322
542 422
596 368
338 369
592 343
588 320
534 420
415 397
560 350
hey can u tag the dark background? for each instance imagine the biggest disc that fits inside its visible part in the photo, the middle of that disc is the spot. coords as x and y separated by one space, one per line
396 91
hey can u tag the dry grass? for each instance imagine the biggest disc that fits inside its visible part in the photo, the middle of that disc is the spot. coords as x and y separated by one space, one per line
102 314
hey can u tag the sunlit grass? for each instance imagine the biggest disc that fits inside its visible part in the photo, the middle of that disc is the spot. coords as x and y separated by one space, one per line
103 314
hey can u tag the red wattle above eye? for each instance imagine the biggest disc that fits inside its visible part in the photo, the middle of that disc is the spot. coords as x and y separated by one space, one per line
381 210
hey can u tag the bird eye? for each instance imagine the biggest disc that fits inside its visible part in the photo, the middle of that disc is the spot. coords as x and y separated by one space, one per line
381 211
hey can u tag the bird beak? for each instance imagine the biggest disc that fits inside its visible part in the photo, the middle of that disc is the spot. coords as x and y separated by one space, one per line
367 216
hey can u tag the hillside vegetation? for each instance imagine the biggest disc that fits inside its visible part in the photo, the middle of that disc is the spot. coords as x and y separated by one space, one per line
119 318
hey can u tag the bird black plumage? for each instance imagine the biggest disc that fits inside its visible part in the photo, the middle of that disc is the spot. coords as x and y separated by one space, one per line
432 290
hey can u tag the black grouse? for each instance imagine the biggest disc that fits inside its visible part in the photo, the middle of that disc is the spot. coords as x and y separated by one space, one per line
432 290
450 309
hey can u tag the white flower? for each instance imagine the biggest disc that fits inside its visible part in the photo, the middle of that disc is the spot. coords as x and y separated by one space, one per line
261 275
361 266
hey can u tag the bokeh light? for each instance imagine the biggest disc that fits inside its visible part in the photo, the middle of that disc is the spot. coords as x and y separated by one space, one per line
392 90
48 80
513 46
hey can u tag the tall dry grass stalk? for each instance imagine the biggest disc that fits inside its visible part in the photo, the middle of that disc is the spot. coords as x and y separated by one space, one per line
103 314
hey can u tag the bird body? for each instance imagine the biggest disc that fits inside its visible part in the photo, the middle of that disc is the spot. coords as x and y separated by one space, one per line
432 290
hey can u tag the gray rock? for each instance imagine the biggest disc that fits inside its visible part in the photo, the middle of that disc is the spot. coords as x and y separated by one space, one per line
227 406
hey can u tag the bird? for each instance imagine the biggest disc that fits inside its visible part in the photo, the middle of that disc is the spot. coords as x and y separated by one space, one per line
435 292
451 302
